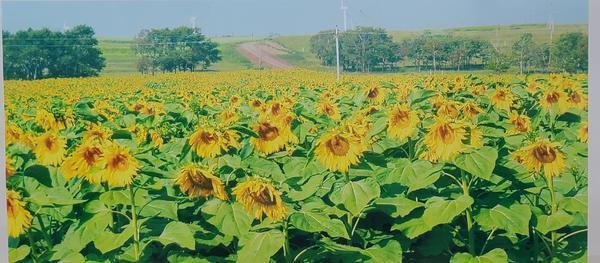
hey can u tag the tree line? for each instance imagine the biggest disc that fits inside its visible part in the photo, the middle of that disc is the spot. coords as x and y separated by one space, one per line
178 49
367 49
35 54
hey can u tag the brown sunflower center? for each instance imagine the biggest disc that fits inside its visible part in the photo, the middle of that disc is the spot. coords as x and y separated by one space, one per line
373 93
119 161
552 97
544 154
400 117
49 142
329 110
268 132
91 155
520 123
575 97
256 103
264 197
200 181
208 137
501 95
276 109
338 145
446 133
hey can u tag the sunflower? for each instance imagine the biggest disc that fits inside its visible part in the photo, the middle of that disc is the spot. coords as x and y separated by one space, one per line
157 140
444 140
502 99
10 168
272 136
583 132
13 134
196 181
231 139
471 110
554 99
403 92
532 87
329 108
448 108
97 132
261 198
475 136
542 154
119 166
522 123
338 151
49 148
228 117
45 120
577 99
375 94
81 162
207 142
402 122
19 219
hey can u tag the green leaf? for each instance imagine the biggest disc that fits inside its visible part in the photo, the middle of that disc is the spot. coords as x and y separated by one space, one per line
378 127
107 241
308 189
39 173
161 208
494 256
397 206
390 253
355 196
230 219
513 220
54 196
419 174
17 254
317 222
413 228
576 204
259 247
440 211
553 222
480 162
179 233
245 130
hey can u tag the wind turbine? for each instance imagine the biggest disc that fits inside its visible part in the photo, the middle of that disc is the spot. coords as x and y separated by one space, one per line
344 9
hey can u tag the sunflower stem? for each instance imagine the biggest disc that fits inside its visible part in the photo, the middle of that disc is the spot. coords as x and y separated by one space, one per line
136 233
471 236
553 208
45 232
286 242
34 255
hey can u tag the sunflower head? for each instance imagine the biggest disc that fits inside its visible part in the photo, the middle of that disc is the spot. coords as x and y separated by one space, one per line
402 122
583 132
542 154
444 140
19 219
196 181
50 148
502 99
97 132
554 99
338 151
521 123
261 198
10 168
272 136
120 167
82 160
207 142
471 110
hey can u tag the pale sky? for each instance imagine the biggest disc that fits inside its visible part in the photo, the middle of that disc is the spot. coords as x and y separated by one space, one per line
286 17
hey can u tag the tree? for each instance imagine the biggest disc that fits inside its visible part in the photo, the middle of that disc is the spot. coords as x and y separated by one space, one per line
525 51
35 54
362 49
570 52
178 49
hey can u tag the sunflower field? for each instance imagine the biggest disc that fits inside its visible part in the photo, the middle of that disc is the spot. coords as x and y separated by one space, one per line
294 166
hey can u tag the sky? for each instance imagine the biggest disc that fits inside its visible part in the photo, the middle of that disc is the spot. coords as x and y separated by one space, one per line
125 18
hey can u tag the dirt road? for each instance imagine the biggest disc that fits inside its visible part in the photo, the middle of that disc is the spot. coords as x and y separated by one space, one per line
264 54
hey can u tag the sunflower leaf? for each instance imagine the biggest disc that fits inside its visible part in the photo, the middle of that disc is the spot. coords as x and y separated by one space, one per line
259 247
494 256
230 219
356 195
479 163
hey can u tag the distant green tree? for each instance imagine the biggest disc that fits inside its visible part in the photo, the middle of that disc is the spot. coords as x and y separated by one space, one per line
35 54
570 52
362 49
178 49
497 60
525 51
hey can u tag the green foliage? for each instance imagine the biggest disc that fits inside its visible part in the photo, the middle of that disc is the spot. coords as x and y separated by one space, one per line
36 54
178 49
571 52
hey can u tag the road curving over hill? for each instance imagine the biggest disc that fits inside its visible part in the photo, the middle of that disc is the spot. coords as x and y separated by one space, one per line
264 54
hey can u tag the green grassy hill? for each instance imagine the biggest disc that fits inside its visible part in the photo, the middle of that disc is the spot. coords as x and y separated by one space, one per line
120 58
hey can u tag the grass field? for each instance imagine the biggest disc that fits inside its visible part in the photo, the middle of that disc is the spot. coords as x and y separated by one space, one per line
120 58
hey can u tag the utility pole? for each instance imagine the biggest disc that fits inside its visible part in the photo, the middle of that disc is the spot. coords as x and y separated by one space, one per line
337 52
345 12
